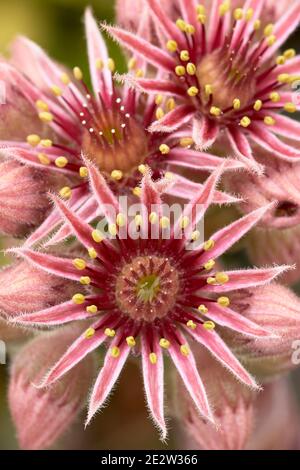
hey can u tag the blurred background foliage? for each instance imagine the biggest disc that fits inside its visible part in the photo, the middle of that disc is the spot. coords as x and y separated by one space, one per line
57 26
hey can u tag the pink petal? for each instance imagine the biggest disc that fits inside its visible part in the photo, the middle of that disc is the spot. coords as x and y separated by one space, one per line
173 120
265 139
212 341
286 126
155 86
106 379
101 79
187 369
246 27
164 22
242 149
205 132
153 375
139 46
199 160
57 315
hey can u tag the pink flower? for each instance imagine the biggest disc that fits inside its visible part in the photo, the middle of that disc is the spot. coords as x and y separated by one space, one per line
226 80
42 416
109 125
147 294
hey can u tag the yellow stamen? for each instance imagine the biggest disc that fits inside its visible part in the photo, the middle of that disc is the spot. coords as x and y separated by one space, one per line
83 172
209 264
164 149
46 143
137 191
269 30
153 358
78 299
274 96
185 56
66 192
130 341
184 349
139 73
208 245
99 64
44 159
257 105
181 24
257 25
202 309
171 104
65 79
190 29
191 324
283 78
191 68
169 175
159 99
33 140
195 235
132 63
222 278
172 45
112 228
164 222
56 90
280 60
92 309
153 218
180 70
45 116
223 301
92 253
209 325
184 222
110 333
201 19
211 281
249 14
186 142
159 113
42 105
238 14
138 220
89 333
290 107
208 90
215 111
245 121
97 236
78 75
61 162
121 220
269 121
289 53
116 175
79 263
142 169
115 352
236 104
85 280
224 8
164 343
271 40
200 9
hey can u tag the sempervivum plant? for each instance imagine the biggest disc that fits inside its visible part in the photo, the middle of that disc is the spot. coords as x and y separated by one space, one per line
146 294
226 73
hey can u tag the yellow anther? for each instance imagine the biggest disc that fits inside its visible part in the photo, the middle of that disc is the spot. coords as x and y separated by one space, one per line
201 19
289 53
97 236
45 116
42 105
56 90
283 78
99 64
137 191
236 104
209 325
92 253
195 235
274 96
89 333
185 56
139 73
153 218
290 107
85 280
165 222
164 149
223 301
164 343
190 29
172 45
257 25
46 143
215 111
116 175
83 172
78 299
153 358
78 75
208 90
121 220
130 341
132 63
115 352
142 169
238 14
180 70
293 78
112 228
249 14
269 30
138 220
159 99
257 105
280 60
193 91
224 8
186 142
79 263
168 175
184 222
66 192
191 324
271 40
110 333
221 278
65 79
191 68
159 114
269 121
33 140
181 24
202 309
209 264
200 9
44 159
245 121
208 245
61 162
92 309
171 104
211 281
184 349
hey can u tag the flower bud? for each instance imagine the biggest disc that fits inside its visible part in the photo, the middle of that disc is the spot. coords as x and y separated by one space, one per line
275 308
41 416
232 405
